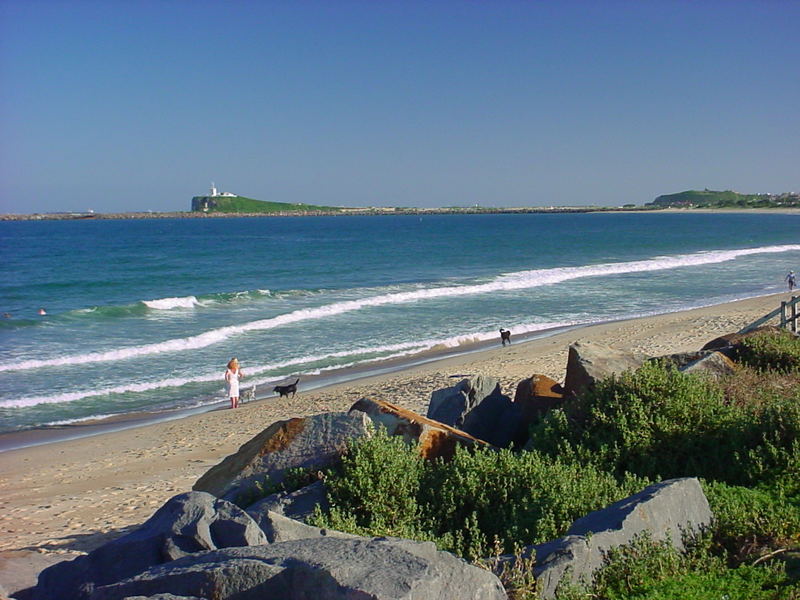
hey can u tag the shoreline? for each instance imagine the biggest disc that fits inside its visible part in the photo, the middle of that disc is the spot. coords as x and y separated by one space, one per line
48 434
63 499
389 211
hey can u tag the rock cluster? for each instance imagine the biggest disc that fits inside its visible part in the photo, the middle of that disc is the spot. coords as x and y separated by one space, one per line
200 544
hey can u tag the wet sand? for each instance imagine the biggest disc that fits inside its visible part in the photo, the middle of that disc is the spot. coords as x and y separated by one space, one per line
64 498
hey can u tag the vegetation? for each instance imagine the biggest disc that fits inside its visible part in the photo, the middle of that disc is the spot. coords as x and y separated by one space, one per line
240 204
470 505
727 199
648 425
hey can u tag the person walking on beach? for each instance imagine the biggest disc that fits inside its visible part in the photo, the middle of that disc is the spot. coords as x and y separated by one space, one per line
232 376
791 280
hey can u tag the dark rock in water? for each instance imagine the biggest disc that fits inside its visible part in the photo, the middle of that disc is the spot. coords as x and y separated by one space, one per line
307 442
187 523
669 510
436 440
323 569
298 505
589 362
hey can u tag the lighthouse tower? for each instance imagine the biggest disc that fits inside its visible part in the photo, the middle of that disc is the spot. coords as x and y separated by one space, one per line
213 192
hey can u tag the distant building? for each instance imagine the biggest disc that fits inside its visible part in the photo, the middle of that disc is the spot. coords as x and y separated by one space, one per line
215 193
205 203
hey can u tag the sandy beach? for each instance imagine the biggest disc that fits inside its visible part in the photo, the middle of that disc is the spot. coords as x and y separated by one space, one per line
65 498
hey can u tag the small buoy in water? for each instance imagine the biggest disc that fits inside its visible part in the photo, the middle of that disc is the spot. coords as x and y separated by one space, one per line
42 312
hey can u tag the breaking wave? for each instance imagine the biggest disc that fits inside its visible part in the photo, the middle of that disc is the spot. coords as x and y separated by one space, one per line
507 282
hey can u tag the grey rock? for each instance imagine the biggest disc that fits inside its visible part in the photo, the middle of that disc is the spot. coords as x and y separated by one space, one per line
590 362
434 439
680 359
187 523
279 528
298 505
669 510
714 364
477 407
315 441
732 341
496 420
450 405
163 597
322 568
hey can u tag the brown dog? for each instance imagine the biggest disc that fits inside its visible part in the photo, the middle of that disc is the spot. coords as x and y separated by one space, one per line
285 390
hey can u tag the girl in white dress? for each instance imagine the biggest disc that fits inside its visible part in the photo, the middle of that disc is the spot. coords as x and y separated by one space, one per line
232 376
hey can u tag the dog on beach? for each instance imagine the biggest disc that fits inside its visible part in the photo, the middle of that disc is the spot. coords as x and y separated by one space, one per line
249 395
505 336
285 390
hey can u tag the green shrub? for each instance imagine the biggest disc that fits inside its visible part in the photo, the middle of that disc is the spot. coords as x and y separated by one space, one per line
748 520
655 571
293 479
524 498
468 504
771 351
660 423
376 488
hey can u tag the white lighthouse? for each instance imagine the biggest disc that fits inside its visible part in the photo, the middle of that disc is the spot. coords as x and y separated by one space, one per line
213 191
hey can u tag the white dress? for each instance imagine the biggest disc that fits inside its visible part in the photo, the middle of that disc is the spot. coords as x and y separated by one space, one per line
232 377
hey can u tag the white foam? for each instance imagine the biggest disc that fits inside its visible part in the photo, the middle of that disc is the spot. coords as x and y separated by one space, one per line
395 351
512 281
170 303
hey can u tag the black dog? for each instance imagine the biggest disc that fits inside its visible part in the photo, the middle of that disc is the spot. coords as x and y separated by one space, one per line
285 390
505 336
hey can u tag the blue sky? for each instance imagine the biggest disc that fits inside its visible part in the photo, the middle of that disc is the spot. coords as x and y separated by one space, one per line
139 105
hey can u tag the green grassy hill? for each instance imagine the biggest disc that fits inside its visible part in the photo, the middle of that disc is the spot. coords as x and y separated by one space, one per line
727 199
240 204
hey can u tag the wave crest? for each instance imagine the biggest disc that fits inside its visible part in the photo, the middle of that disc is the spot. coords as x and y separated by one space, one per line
507 282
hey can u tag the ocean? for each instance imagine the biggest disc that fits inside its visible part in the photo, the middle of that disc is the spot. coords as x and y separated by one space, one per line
143 315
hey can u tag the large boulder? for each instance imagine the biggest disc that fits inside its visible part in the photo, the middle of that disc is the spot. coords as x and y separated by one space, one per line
533 397
538 394
163 597
279 528
451 405
435 439
298 505
713 364
322 568
187 523
670 510
728 343
316 441
478 407
590 362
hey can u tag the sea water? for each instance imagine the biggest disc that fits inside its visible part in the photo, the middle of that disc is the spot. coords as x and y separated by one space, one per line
143 315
